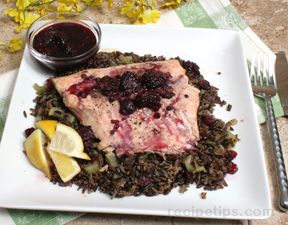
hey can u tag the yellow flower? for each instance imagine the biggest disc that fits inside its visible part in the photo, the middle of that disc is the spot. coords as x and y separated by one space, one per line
29 18
23 18
148 16
87 2
110 3
63 7
139 11
97 3
12 13
67 2
78 7
171 4
22 4
15 45
150 4
44 9
133 8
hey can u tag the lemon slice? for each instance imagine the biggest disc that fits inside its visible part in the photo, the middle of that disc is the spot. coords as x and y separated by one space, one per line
47 126
34 149
66 166
68 142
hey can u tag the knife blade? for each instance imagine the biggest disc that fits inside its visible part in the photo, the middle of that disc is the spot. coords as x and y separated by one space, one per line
281 72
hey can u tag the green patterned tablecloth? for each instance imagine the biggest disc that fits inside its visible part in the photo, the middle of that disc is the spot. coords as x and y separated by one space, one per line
218 14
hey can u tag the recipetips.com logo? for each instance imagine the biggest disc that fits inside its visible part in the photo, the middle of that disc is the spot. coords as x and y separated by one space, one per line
218 211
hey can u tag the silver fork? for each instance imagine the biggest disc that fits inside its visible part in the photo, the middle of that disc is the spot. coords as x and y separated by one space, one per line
262 80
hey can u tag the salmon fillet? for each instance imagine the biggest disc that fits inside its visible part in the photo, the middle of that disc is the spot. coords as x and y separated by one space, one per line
174 132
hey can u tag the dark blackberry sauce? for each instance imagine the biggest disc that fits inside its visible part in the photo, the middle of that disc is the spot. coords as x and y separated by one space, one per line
65 39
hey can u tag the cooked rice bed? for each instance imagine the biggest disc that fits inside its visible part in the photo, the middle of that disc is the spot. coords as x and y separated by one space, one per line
135 175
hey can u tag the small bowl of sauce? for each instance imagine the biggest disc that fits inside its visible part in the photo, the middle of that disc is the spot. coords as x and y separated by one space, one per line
63 40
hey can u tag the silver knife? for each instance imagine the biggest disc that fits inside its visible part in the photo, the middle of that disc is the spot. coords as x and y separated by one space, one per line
281 71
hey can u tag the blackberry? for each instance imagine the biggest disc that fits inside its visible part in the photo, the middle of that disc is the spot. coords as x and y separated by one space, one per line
154 80
107 85
129 82
149 101
127 107
165 92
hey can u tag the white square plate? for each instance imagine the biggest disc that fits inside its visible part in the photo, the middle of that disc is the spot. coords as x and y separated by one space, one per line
247 194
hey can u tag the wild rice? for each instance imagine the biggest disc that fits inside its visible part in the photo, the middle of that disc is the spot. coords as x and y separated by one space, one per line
147 173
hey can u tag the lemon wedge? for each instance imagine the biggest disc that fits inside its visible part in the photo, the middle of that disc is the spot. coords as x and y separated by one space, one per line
66 166
34 149
47 126
67 141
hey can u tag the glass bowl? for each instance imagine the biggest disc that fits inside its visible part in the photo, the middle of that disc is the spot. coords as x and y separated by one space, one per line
64 62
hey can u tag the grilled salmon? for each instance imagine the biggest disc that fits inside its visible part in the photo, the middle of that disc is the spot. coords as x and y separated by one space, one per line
172 128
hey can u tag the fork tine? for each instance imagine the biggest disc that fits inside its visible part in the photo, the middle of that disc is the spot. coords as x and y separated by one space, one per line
271 72
260 76
267 71
253 70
